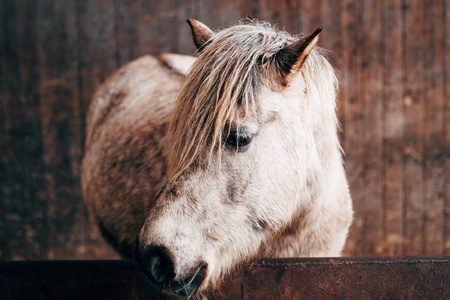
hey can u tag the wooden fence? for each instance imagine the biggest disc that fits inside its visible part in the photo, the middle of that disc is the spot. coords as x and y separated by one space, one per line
323 278
393 59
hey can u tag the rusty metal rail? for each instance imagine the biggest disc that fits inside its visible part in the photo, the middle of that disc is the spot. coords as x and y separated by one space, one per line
321 278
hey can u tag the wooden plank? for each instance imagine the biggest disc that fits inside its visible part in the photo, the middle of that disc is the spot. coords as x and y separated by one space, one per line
24 206
414 116
373 111
433 135
8 89
354 120
394 127
50 60
446 128
73 280
4 140
326 278
351 278
60 113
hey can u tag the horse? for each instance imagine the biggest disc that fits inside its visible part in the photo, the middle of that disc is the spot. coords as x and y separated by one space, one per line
196 173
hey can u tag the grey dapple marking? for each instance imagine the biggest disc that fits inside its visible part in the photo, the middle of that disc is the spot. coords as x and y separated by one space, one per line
241 160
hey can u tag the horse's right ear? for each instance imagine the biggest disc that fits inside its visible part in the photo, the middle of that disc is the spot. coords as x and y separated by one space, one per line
200 32
291 58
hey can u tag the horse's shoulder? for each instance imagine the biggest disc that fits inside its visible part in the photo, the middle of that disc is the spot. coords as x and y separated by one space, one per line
141 84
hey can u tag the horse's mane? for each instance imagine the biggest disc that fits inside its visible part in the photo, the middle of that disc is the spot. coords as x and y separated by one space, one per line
227 75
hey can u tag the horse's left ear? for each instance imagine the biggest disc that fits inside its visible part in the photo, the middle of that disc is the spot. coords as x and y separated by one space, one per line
200 32
292 57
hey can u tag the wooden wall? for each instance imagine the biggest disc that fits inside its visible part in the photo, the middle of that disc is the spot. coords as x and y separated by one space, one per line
393 59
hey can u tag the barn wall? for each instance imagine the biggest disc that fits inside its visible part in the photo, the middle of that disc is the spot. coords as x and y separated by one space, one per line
393 63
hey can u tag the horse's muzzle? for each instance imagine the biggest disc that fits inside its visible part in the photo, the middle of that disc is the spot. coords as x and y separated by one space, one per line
157 264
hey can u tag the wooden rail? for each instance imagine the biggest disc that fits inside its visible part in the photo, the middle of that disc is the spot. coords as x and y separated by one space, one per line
321 278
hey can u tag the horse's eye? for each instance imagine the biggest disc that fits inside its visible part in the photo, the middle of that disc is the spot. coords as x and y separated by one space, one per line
237 139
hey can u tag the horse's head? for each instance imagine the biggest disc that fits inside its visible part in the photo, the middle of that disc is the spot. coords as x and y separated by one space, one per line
251 132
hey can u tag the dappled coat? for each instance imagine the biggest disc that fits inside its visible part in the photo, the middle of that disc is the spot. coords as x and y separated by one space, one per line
237 160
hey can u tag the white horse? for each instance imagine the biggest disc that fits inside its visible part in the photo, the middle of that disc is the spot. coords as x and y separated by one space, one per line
239 159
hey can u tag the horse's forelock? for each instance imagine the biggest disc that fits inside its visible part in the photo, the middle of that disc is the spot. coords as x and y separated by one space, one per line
226 76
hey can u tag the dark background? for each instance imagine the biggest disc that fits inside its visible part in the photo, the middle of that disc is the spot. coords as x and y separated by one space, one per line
393 59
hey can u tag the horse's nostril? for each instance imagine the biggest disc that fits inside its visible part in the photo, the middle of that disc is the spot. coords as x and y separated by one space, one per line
161 268
156 263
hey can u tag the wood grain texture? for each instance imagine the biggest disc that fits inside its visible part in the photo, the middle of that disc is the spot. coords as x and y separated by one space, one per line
433 130
352 88
393 62
393 130
446 127
414 104
290 278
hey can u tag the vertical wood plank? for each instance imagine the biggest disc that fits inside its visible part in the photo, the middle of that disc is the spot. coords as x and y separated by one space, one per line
354 118
446 127
52 86
433 138
4 140
414 114
394 122
62 130
373 106
23 197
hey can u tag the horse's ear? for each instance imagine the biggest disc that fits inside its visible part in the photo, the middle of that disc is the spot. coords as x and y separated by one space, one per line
292 57
200 32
